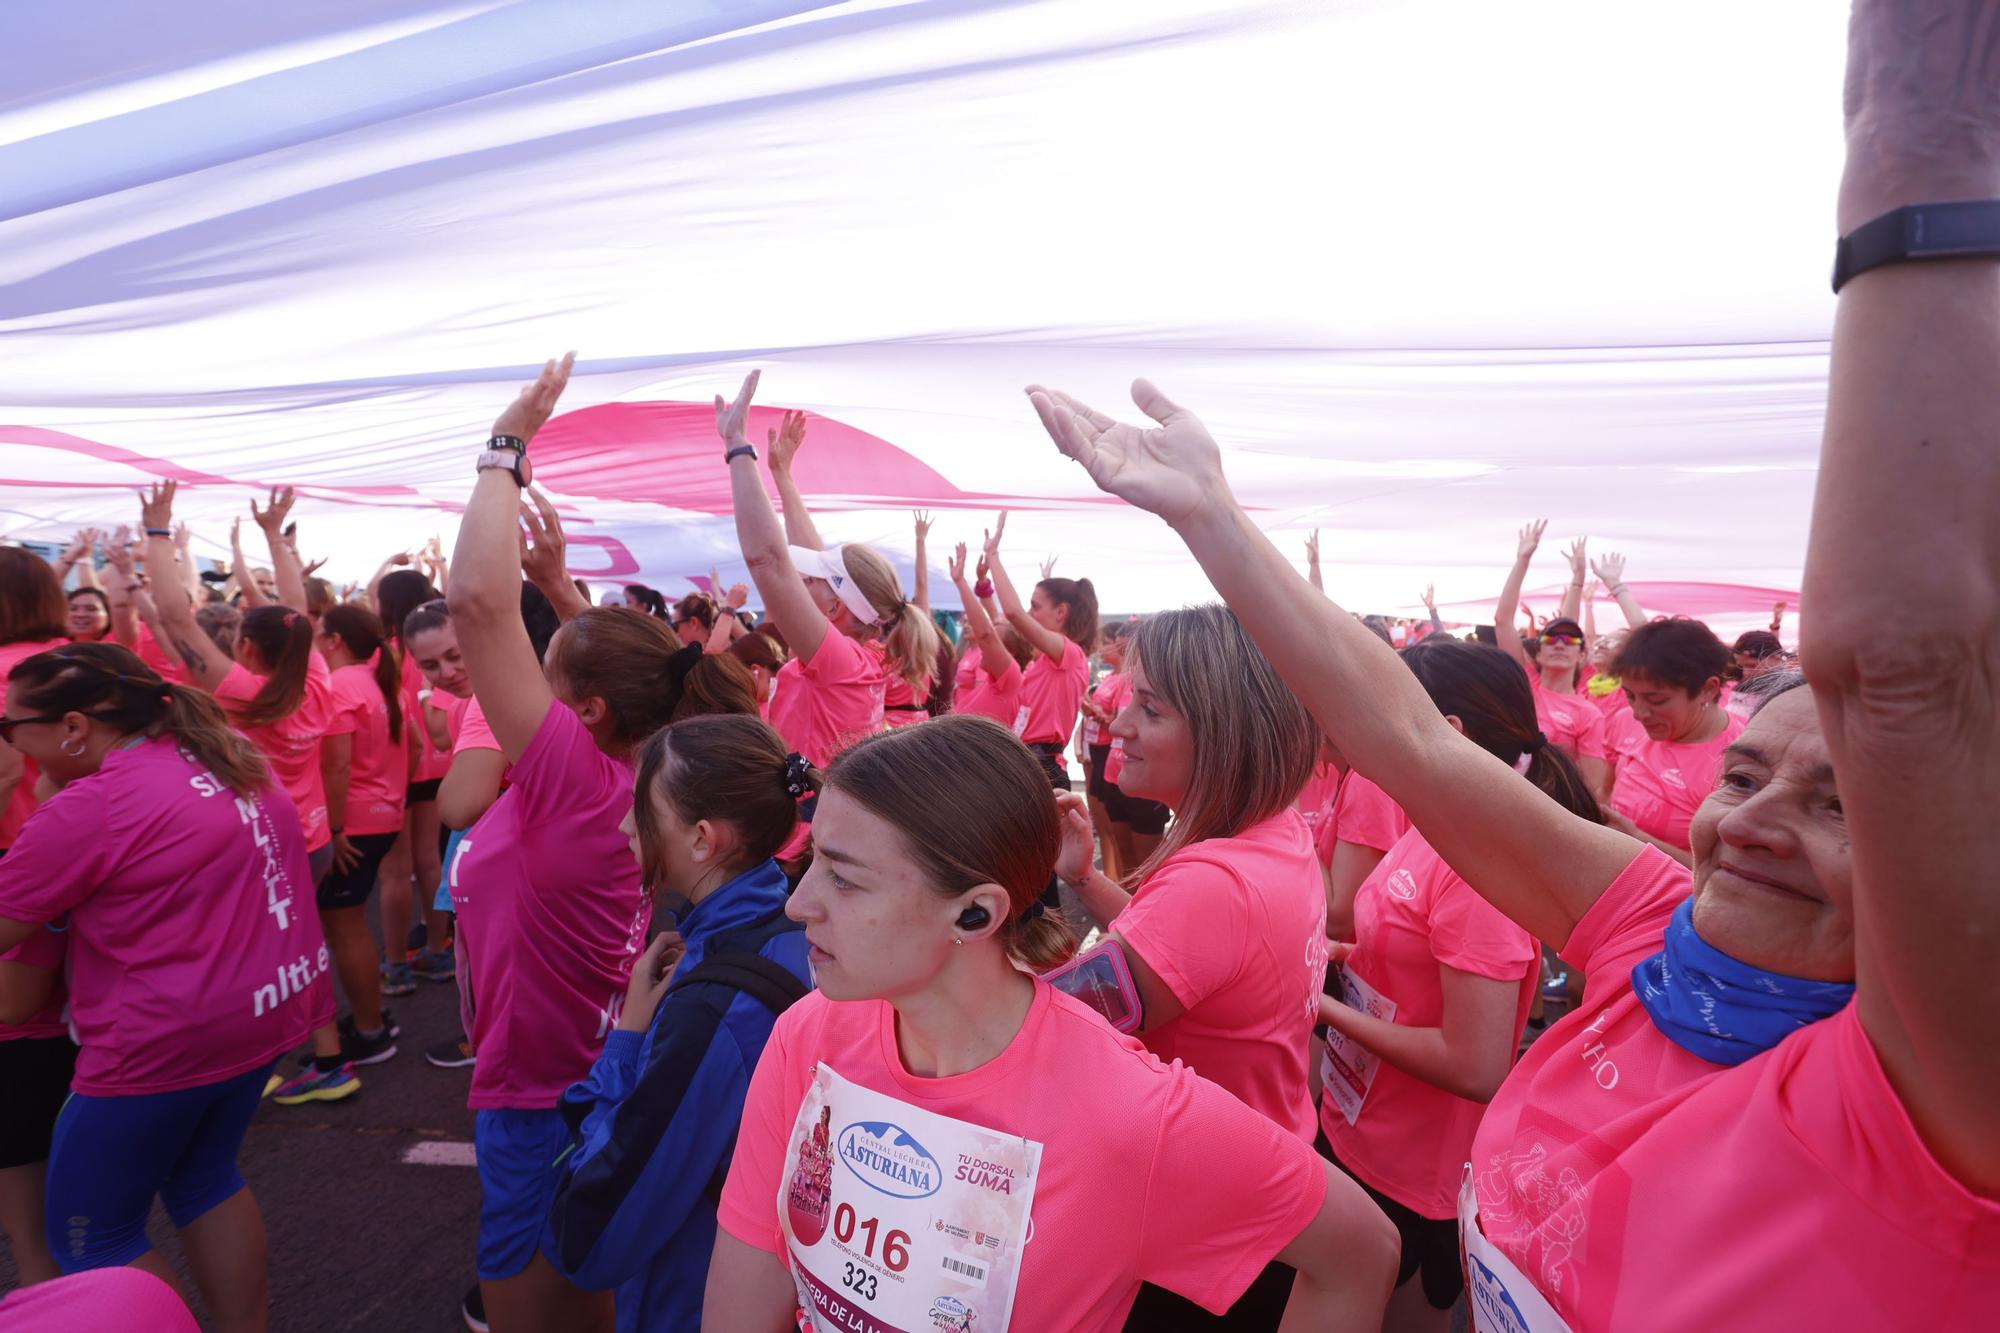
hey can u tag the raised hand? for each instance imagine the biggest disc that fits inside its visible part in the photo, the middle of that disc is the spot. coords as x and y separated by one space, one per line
1312 548
272 518
1049 568
183 535
312 567
923 519
991 541
730 417
544 559
1610 569
118 552
531 407
1778 611
1430 598
783 443
739 595
1577 560
1171 470
156 505
956 565
981 574
1531 539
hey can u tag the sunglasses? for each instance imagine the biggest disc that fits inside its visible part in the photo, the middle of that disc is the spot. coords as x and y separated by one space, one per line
1562 640
7 724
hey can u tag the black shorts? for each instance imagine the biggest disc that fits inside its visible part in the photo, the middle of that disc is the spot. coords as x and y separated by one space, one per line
1051 755
351 888
427 790
1094 784
1142 816
1430 1245
35 1071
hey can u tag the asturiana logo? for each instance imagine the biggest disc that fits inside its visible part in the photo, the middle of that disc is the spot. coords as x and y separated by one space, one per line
887 1160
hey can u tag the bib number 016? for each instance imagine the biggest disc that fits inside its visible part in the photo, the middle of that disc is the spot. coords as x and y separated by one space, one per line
895 1245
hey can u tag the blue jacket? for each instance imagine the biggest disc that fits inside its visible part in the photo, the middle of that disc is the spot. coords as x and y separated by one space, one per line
655 1122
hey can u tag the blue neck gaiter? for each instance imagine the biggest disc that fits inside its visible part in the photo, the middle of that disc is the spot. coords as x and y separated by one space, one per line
1722 1010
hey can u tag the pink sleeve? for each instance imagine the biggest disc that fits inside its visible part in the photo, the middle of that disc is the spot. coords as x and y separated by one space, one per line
1471 934
239 685
59 857
473 733
1367 817
99 1298
1590 742
563 767
348 709
44 948
1191 924
1209 1228
839 658
1628 921
749 1206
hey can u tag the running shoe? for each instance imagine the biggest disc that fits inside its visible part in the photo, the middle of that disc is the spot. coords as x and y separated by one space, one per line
398 979
474 1310
359 1050
453 1054
313 1084
414 945
436 965
389 1023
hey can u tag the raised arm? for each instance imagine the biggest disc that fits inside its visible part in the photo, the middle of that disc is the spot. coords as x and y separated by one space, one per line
979 627
485 596
923 563
1903 643
787 602
1431 605
184 554
545 556
206 664
239 571
1610 570
1039 636
122 583
82 547
290 574
1532 859
783 445
1590 620
382 571
1579 565
727 629
1508 606
434 561
1312 562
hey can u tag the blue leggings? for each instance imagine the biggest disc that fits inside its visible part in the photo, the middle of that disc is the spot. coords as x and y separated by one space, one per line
111 1155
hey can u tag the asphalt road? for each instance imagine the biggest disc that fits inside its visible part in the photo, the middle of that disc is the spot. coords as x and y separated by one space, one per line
359 1238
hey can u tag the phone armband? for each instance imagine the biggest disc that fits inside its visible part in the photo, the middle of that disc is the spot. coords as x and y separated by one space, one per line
1103 980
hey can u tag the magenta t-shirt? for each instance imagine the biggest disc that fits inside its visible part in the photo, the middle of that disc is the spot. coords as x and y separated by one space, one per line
292 742
44 949
1660 784
824 705
195 951
1236 927
22 803
551 915
379 780
98 1299
1052 695
1413 915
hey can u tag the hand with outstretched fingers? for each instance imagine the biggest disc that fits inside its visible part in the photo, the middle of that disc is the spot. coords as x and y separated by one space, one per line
1172 469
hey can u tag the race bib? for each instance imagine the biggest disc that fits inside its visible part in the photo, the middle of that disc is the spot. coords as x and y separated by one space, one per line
1021 721
1501 1298
1346 1067
900 1220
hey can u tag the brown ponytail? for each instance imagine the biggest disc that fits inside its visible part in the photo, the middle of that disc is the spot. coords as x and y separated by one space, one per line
111 684
974 807
284 640
912 641
1081 599
361 630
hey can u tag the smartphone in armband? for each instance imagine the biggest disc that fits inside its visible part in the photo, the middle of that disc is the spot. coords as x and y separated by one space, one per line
1103 980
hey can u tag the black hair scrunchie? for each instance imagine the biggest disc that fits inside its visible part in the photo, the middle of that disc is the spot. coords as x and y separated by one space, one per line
1035 912
680 664
798 769
1536 744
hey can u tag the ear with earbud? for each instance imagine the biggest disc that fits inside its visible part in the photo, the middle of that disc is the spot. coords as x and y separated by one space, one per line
973 918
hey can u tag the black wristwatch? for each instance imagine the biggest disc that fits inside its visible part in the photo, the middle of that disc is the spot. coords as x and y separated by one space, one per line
731 455
1963 230
509 453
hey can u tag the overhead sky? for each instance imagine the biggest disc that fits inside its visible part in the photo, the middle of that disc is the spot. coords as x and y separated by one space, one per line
1427 268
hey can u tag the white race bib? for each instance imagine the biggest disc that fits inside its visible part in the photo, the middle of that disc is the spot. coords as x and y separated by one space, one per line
1021 721
1501 1298
1346 1067
900 1220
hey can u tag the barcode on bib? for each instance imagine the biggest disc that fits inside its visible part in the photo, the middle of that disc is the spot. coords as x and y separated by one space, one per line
970 1272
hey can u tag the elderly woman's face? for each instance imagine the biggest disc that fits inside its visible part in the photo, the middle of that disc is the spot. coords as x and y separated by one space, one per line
1773 880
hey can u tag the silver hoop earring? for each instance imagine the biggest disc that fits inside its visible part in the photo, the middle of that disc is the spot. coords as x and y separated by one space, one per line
77 753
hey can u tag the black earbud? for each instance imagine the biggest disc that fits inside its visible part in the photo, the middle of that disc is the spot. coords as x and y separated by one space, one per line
972 918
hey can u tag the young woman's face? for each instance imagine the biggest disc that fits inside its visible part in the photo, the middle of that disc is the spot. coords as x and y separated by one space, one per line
435 651
1773 878
1047 611
88 620
1159 745
1113 653
1605 651
634 603
878 929
680 853
1667 712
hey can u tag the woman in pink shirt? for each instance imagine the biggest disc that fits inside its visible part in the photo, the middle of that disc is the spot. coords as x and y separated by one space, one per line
1436 994
37 1061
760 653
1564 715
412 869
824 602
967 1100
1060 624
1224 929
1670 750
999 657
31 621
194 959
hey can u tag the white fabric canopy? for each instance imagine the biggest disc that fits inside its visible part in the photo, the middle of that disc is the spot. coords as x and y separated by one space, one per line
1428 269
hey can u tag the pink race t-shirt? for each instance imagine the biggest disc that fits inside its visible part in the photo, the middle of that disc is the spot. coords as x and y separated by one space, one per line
1236 927
380 780
292 742
1105 696
1315 801
999 699
195 953
1142 1175
432 763
1366 815
1052 695
473 732
155 655
1791 1191
1660 784
44 949
551 915
98 1299
1413 915
824 705
22 803
454 707
1570 721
